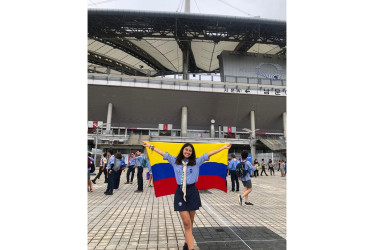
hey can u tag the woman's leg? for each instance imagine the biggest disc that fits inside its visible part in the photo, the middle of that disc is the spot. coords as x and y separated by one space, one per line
192 215
188 237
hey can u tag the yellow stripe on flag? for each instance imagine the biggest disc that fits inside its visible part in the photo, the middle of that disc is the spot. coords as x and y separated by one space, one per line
174 149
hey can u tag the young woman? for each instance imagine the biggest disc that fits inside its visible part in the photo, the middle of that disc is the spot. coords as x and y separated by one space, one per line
186 169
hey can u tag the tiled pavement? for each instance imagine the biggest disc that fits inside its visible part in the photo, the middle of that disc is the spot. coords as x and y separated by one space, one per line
128 220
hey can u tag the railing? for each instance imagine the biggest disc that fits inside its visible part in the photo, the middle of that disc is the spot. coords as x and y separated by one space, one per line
203 77
135 136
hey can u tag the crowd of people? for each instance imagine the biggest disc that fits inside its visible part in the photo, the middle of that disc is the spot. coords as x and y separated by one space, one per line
112 165
186 168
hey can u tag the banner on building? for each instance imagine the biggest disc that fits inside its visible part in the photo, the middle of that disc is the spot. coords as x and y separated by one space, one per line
229 129
95 124
165 126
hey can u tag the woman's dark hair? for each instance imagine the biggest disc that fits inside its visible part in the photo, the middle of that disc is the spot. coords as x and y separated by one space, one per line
191 159
244 155
118 156
256 161
104 154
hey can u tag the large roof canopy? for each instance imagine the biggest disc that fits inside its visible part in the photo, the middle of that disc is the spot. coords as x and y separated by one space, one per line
141 43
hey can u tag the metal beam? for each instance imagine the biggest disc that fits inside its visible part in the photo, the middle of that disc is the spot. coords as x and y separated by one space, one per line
113 64
119 24
130 48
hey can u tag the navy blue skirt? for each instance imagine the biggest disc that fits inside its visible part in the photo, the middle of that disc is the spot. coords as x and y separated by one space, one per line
192 202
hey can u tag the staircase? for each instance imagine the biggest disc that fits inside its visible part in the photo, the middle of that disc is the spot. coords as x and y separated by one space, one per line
274 144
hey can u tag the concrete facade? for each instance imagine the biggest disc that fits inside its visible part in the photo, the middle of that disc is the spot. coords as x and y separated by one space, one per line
146 107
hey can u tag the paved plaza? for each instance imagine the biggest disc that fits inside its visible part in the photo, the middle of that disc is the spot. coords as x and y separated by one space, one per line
128 220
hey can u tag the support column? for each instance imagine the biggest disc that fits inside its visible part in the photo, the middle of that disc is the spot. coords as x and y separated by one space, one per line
212 132
219 131
109 118
186 56
253 136
285 124
184 122
187 6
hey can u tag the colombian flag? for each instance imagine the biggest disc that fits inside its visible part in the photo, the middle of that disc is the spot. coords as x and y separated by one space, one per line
212 173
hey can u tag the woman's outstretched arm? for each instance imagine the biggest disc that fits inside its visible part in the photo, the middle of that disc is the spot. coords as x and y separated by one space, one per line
219 150
153 148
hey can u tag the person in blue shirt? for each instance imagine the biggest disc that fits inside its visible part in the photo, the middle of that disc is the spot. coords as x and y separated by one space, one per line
90 159
234 176
117 177
285 168
186 169
131 168
111 173
257 168
138 163
246 180
150 181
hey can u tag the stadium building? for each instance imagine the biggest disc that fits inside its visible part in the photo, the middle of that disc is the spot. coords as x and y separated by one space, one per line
182 77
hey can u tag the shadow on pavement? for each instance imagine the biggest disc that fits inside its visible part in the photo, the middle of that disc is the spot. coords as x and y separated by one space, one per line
233 237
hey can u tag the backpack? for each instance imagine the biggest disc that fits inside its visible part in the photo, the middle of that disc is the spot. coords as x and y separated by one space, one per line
240 170
91 164
123 165
117 165
144 163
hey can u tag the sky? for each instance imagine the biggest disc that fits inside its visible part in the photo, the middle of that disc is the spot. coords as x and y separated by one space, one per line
268 9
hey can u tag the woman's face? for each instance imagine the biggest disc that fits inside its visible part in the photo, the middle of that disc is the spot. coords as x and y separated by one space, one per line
187 152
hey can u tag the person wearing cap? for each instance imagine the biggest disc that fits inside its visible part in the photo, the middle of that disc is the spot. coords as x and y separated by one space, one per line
234 176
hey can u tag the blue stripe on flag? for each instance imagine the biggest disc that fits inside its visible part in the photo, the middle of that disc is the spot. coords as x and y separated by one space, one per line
162 171
213 168
165 170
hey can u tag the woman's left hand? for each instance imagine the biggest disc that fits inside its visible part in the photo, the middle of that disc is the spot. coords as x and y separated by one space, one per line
228 146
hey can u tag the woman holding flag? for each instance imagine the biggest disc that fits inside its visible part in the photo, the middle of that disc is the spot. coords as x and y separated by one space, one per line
186 169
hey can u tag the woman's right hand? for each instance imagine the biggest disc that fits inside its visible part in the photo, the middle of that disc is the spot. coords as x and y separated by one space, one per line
145 144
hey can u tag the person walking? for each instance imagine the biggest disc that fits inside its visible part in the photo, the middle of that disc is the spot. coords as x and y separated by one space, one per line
257 167
131 168
246 180
186 169
279 165
234 176
271 167
102 169
263 167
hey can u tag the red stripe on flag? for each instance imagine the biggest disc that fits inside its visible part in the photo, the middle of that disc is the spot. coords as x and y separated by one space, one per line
211 181
165 186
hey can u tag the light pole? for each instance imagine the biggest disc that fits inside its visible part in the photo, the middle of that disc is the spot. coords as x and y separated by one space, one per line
252 136
99 126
